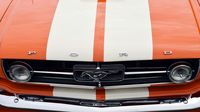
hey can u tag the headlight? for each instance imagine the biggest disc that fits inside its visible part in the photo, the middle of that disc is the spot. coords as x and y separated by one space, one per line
180 73
20 73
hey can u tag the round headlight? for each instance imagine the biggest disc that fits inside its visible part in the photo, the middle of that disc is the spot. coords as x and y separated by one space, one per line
180 74
20 73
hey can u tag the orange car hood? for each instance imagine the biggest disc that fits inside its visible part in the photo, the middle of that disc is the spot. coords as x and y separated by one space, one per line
76 30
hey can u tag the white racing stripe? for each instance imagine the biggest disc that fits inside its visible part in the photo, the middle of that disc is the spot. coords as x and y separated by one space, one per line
89 94
126 93
128 33
110 94
72 32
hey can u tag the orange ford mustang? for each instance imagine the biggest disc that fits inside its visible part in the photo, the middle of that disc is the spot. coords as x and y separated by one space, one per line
100 55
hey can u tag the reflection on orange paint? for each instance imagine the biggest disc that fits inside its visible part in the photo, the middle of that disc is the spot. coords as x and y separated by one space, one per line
27 26
174 29
196 10
4 4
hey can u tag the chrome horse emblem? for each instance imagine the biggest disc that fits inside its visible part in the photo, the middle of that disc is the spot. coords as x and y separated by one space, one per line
95 75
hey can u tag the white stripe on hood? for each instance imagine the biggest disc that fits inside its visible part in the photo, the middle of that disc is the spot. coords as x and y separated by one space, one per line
128 34
72 32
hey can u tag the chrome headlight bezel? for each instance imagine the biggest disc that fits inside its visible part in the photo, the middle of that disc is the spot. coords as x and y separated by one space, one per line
24 68
174 69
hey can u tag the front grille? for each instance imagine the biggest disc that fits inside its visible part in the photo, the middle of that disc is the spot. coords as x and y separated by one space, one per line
136 72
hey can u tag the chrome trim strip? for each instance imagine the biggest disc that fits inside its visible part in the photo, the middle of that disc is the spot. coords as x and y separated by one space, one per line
126 73
133 85
145 72
14 102
51 72
140 78
106 87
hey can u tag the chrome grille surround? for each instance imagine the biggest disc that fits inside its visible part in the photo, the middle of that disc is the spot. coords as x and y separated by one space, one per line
136 73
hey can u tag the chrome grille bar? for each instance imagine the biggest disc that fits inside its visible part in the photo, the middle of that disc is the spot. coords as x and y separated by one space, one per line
145 72
51 72
126 73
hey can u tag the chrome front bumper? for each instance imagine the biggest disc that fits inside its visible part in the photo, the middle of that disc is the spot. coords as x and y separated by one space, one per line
14 102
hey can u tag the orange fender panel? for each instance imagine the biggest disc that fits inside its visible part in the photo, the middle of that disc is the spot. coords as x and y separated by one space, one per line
29 20
29 89
174 29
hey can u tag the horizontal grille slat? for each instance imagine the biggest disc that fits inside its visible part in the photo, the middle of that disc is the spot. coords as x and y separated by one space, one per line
53 72
146 68
49 77
145 72
140 78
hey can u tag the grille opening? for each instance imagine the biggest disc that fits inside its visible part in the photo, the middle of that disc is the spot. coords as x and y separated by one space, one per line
136 72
